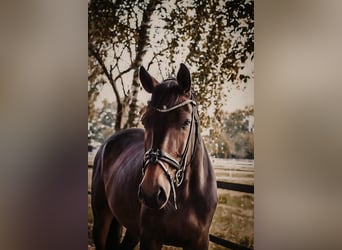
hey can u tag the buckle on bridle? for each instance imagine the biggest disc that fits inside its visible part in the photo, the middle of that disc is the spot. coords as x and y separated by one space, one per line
154 156
179 177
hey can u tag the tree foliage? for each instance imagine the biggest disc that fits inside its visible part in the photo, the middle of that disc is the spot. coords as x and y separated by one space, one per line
214 38
236 138
220 39
118 33
101 127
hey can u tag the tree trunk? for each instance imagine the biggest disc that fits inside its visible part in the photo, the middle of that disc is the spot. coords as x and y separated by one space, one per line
143 41
118 117
133 108
108 74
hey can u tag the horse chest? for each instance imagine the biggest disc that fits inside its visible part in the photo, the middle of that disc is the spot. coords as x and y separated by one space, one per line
174 226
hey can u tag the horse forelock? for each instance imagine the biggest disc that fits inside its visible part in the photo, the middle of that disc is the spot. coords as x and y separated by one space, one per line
166 95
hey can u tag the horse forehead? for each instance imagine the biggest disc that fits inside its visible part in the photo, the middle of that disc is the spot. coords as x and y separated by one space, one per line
162 130
165 93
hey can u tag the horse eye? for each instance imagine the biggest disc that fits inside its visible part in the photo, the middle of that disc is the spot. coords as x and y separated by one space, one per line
185 123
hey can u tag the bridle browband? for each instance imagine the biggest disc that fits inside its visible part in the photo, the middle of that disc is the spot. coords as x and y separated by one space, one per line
164 110
155 155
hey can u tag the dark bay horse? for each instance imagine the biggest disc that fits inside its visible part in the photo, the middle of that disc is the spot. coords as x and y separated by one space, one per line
158 182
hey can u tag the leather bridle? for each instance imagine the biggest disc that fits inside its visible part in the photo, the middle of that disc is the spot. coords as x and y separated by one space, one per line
156 156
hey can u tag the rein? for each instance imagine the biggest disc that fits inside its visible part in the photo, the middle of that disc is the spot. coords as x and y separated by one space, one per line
155 156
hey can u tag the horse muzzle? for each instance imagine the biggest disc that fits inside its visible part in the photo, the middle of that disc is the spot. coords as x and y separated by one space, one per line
156 200
154 189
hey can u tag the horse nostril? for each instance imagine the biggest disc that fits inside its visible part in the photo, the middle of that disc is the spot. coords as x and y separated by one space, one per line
161 197
154 200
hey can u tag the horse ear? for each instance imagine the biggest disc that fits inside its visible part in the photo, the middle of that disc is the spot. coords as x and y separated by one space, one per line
147 81
184 78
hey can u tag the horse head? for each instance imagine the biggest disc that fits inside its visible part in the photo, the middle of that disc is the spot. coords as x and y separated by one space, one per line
169 123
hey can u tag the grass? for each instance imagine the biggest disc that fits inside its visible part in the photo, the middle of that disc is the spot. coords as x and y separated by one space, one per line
233 219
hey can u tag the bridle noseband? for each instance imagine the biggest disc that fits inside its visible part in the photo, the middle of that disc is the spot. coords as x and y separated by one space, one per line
156 156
